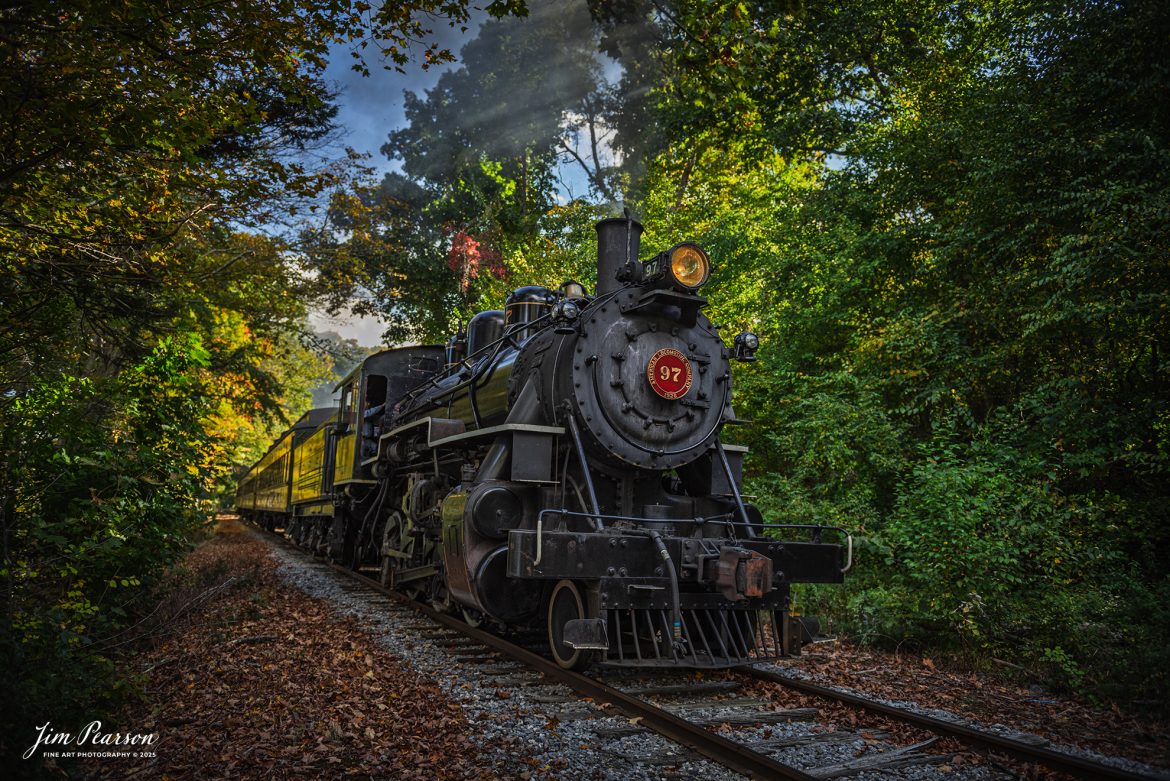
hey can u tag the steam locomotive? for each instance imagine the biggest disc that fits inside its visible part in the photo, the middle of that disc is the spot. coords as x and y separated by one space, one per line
559 464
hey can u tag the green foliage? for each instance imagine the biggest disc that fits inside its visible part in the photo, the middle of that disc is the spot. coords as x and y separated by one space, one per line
485 157
104 492
949 224
967 536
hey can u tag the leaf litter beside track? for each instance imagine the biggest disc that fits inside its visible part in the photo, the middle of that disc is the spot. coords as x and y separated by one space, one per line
265 681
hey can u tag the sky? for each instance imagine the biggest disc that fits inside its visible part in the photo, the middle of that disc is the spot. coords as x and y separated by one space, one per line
369 107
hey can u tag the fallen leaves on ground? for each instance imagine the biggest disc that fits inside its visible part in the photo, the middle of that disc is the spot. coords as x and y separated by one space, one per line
268 682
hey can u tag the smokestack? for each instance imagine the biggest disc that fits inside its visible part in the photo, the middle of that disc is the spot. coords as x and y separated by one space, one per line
618 241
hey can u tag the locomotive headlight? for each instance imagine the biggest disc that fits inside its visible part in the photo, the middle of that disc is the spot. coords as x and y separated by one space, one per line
565 314
689 265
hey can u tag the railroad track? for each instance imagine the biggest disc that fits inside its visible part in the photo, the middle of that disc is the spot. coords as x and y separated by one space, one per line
740 757
1071 764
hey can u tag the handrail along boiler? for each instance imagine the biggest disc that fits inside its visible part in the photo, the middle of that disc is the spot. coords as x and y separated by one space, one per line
561 463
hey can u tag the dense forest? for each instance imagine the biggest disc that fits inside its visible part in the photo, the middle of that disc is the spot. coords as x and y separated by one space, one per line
949 222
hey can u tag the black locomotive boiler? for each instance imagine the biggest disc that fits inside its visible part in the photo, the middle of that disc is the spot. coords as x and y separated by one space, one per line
561 464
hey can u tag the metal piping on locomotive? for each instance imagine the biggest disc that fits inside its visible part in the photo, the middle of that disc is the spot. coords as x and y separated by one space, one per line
570 473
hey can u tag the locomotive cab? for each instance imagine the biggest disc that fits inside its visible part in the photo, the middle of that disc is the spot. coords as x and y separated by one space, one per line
368 393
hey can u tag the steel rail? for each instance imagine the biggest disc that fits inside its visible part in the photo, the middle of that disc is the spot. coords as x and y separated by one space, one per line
1056 760
716 748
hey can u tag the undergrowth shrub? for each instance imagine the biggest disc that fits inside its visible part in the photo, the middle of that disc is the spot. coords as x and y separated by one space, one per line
107 488
982 557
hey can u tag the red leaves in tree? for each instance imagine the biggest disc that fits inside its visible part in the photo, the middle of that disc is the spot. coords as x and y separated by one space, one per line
469 255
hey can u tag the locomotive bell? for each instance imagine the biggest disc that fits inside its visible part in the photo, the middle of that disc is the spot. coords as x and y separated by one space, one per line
572 289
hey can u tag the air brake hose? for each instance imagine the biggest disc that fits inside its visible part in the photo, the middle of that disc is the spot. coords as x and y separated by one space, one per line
670 570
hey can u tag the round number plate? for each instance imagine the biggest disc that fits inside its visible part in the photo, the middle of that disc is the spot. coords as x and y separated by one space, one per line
669 373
